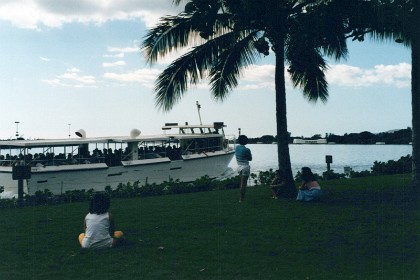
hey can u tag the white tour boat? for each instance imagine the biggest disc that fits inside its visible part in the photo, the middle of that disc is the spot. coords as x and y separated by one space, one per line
59 165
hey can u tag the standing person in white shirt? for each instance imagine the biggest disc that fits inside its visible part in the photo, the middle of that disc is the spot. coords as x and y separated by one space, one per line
243 157
99 225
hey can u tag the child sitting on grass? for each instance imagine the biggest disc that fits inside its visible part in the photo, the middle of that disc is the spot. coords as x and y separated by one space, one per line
99 225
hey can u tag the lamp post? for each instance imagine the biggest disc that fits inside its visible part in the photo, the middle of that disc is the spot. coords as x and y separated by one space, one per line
198 109
69 129
17 128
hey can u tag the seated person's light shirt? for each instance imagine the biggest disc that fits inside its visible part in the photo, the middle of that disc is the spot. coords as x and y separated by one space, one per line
97 231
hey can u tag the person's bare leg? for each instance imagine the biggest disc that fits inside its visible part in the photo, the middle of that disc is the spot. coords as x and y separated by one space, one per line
274 192
244 182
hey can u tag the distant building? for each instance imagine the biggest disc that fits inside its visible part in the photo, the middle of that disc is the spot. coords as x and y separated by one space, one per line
310 141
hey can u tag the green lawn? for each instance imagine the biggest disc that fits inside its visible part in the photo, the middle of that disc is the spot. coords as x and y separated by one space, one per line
365 228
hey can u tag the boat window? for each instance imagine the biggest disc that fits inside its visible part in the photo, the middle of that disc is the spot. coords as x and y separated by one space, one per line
201 145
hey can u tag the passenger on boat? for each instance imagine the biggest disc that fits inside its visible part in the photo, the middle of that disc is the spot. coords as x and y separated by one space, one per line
99 225
243 157
141 153
152 152
71 159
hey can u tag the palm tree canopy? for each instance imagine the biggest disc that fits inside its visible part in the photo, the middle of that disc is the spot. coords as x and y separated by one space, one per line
395 21
222 37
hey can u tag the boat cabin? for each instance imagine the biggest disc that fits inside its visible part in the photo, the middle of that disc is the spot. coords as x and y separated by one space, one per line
116 151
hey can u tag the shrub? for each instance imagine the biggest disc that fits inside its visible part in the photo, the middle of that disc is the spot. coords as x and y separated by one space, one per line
403 165
8 203
230 183
151 190
76 195
175 187
364 173
124 190
331 175
40 198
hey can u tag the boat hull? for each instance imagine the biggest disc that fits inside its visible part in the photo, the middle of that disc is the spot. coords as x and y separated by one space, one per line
59 179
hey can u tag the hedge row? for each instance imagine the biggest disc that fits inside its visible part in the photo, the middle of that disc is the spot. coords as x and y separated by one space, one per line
263 178
128 190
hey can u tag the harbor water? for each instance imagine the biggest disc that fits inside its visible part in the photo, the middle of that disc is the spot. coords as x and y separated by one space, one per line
357 157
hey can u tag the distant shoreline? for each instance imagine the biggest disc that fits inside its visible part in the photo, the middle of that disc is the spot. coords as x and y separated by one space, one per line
392 137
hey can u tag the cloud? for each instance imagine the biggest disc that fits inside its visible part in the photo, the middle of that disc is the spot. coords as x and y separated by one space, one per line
113 64
262 76
118 55
123 50
72 78
381 75
144 76
73 70
44 58
118 52
34 14
258 77
88 80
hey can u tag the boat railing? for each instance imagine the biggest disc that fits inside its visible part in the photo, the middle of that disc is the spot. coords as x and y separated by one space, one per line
114 158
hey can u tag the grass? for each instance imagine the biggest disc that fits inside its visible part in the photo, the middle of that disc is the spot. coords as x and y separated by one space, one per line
365 228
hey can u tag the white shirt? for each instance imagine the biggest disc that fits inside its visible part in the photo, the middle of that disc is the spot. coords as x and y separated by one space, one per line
97 231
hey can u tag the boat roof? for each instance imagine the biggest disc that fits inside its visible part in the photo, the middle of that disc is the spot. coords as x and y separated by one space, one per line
21 143
74 141
215 125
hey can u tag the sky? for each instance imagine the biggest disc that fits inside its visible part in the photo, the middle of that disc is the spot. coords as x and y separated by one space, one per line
77 64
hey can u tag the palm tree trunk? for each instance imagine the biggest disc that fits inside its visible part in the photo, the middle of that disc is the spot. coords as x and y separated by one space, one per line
283 155
415 95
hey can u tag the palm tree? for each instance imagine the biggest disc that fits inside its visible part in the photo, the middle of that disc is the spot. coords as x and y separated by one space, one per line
225 36
398 20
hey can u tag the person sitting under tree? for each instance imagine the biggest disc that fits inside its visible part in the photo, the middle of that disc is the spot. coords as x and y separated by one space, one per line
277 183
309 189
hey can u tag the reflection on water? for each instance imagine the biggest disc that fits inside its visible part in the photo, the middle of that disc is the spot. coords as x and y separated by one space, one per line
358 157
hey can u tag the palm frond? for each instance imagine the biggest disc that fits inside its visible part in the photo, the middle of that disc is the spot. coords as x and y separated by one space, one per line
239 53
176 2
324 25
307 71
173 82
172 33
329 32
170 86
394 20
176 32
